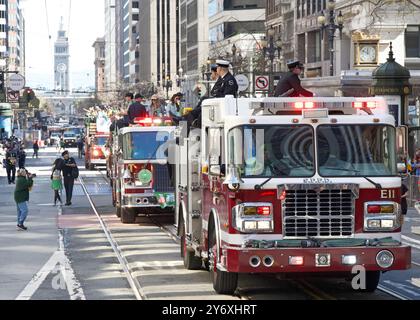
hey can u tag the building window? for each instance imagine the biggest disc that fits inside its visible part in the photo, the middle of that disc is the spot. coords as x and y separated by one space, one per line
412 41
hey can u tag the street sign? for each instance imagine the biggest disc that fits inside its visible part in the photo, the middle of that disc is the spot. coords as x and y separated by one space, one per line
13 96
262 83
16 82
243 82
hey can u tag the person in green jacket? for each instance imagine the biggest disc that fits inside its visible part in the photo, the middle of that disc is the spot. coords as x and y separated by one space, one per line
57 186
24 183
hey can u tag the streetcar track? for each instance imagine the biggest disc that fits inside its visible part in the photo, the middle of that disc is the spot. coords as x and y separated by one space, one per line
132 280
306 287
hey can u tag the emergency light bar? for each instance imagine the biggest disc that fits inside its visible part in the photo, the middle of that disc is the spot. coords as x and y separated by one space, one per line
153 122
271 106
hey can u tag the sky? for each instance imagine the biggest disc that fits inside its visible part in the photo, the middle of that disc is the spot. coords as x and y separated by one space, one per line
86 25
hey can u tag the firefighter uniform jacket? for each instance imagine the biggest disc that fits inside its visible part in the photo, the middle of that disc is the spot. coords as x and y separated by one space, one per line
226 86
291 81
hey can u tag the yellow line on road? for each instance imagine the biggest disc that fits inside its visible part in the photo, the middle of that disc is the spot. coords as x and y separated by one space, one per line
316 291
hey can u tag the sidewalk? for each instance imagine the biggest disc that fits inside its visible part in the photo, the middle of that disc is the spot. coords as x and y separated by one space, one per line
23 253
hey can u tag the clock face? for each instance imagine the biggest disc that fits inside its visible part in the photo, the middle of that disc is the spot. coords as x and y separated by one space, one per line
62 68
368 54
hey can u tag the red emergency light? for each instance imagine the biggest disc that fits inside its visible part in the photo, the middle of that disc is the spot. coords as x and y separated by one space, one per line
264 211
364 104
304 105
153 121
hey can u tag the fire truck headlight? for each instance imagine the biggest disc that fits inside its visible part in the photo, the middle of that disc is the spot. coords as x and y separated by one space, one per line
381 216
96 153
385 259
349 260
253 217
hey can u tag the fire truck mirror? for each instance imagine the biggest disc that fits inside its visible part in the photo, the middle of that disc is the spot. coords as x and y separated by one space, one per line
215 171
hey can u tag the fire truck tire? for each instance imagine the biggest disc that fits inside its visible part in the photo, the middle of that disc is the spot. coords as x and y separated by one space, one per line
191 262
128 216
118 211
372 281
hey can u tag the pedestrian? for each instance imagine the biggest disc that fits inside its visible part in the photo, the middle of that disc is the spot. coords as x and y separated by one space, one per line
80 145
11 159
58 143
22 158
290 85
69 168
137 109
36 149
23 185
57 184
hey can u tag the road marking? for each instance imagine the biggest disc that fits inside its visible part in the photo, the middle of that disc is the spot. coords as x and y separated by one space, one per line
410 239
392 292
403 287
59 258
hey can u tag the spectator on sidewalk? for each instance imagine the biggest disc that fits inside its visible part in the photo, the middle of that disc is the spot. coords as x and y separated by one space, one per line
23 185
36 149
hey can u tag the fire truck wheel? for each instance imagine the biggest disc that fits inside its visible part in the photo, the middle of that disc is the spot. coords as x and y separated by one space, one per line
372 281
128 216
191 262
223 282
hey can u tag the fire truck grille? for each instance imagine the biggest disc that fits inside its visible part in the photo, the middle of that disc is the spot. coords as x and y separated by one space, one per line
162 179
328 213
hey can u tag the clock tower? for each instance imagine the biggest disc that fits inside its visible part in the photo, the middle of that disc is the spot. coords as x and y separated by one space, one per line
61 62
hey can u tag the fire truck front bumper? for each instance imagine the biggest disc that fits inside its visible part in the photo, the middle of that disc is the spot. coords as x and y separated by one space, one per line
143 200
314 260
98 162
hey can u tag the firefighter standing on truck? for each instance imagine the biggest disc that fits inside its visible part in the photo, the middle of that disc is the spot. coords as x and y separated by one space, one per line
226 84
290 85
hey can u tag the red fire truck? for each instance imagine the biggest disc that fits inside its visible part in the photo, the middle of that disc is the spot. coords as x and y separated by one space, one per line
291 186
141 173
96 152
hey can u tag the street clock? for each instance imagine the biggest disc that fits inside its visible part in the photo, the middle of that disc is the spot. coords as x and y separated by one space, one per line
368 54
366 49
61 68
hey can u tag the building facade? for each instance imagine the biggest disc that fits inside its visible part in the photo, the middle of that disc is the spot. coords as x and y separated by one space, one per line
61 62
110 45
12 36
99 46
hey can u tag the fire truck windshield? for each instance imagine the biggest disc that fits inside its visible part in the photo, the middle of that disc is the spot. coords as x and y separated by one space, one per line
356 150
100 141
146 145
273 151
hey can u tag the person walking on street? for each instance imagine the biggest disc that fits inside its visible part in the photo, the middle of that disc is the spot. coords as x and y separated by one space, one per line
80 145
22 158
290 85
68 168
36 149
11 159
23 185
57 186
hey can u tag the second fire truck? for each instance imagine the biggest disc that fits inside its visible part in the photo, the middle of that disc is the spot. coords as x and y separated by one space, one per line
141 170
291 186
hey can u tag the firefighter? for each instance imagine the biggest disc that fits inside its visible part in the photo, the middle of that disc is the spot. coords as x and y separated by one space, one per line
290 85
137 109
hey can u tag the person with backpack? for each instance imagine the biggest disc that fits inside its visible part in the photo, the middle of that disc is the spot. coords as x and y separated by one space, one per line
70 173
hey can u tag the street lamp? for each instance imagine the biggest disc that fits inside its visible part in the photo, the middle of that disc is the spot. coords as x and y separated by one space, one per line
271 47
332 27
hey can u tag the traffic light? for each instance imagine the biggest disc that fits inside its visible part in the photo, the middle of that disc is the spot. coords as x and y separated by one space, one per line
28 95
